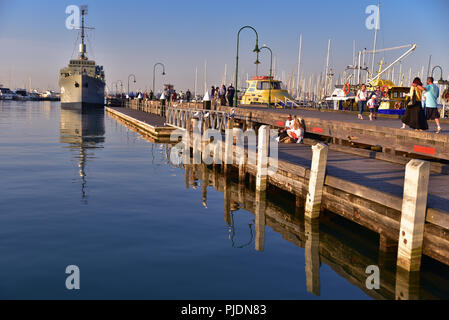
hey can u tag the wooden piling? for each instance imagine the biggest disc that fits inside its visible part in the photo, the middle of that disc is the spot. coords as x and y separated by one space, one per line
407 285
196 141
229 143
414 205
240 151
262 158
316 181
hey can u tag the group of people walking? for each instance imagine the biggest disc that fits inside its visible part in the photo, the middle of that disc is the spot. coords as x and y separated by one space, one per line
416 116
421 104
372 102
223 95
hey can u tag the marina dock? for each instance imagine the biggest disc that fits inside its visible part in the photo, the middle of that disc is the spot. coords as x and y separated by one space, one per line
358 186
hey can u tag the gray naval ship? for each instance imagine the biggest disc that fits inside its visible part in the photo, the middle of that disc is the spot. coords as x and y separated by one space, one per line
82 83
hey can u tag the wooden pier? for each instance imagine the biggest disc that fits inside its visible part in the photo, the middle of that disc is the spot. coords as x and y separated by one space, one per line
145 122
357 185
346 250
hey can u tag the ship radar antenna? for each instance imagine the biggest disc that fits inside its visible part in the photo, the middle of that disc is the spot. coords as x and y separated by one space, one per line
84 11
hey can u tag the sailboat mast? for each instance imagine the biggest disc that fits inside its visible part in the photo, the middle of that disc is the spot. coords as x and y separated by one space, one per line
327 67
375 39
299 65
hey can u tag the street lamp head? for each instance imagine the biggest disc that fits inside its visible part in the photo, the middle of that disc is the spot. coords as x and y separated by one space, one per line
256 49
163 73
257 62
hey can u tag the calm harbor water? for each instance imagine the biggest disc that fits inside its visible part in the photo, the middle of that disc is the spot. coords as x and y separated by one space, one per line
82 189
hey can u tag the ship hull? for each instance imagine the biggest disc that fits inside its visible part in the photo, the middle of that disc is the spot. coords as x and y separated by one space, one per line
81 91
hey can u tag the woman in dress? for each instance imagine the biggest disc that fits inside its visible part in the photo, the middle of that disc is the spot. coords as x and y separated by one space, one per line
414 115
361 98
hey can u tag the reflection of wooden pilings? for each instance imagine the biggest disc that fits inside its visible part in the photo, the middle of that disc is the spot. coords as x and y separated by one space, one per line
388 252
414 205
229 143
312 255
262 158
196 141
316 181
204 184
261 205
227 200
187 175
242 160
407 285
215 176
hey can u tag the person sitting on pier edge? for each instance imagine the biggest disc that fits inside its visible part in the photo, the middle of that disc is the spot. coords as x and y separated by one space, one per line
414 115
283 132
230 95
361 100
296 134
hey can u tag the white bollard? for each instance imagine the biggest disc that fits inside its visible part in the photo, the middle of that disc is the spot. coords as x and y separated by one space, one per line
316 181
196 141
262 158
413 216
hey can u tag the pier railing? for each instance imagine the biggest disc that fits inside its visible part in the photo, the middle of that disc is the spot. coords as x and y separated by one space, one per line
210 119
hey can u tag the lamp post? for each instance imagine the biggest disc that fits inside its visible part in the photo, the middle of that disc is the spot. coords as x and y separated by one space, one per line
131 75
154 75
271 71
441 81
256 50
112 86
121 87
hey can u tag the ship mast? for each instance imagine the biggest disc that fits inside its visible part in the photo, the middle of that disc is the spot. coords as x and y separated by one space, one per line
83 45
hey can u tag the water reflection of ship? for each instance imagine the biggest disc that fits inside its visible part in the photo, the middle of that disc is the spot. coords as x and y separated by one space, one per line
82 130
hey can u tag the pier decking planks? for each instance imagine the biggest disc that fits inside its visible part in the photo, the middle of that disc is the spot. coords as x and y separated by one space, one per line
373 174
151 123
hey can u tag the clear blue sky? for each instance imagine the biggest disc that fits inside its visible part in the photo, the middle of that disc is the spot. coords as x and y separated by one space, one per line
130 36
